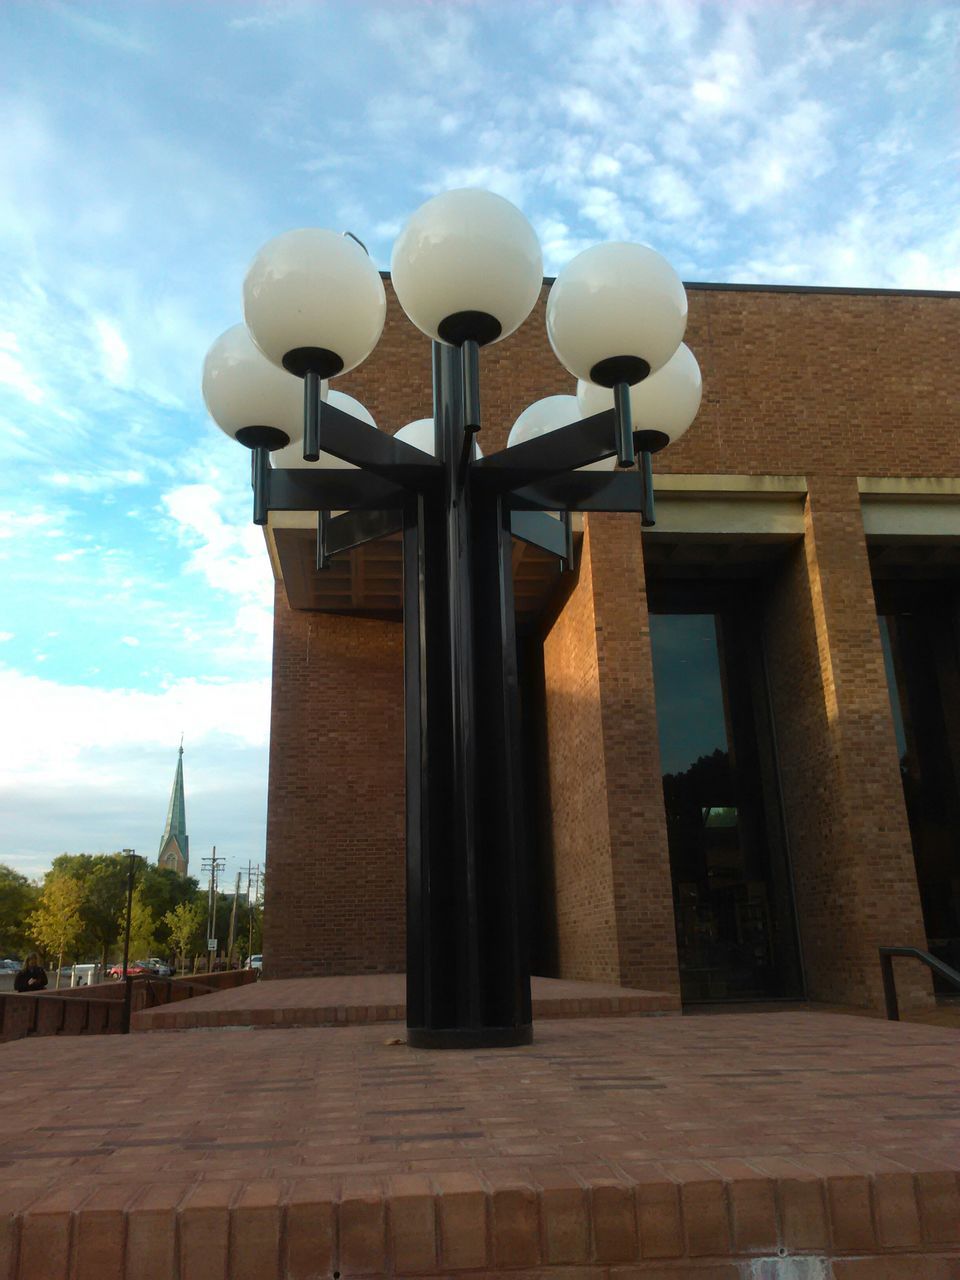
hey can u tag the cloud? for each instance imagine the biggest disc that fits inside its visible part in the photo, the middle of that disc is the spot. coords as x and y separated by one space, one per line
116 357
13 372
229 553
102 779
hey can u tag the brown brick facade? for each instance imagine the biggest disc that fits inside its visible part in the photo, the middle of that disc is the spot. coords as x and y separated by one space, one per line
852 858
334 886
823 385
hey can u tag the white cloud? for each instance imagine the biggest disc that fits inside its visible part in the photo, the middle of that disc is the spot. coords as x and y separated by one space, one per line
132 641
13 372
116 357
91 769
5 636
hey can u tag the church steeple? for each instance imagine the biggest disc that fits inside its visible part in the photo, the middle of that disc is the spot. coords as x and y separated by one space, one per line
175 843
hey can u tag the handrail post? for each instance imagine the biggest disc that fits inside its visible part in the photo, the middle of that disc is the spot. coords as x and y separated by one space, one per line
889 986
127 1002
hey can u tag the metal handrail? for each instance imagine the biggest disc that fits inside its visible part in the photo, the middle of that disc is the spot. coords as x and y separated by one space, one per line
889 983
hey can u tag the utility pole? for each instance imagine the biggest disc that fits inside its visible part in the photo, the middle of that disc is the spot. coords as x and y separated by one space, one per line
213 865
251 908
233 921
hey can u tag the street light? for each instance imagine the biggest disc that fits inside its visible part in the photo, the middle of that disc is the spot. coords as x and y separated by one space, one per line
467 270
127 980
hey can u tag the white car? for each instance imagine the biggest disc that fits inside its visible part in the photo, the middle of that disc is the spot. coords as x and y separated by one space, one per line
160 967
255 962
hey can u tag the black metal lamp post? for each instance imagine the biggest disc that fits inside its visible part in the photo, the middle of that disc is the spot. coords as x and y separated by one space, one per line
467 270
127 980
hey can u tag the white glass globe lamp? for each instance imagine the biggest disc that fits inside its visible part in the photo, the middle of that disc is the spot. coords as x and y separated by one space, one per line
550 414
314 302
292 455
662 406
616 313
467 266
420 434
249 398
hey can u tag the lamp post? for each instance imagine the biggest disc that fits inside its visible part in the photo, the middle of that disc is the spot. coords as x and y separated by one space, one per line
467 270
127 980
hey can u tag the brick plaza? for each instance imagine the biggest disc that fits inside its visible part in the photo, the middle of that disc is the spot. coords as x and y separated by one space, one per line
711 1148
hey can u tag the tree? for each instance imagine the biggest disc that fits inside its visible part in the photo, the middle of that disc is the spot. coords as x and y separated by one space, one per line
18 898
163 891
57 923
142 925
103 877
185 923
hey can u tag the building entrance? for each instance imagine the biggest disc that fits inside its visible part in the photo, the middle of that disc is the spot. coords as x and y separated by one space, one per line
733 904
919 633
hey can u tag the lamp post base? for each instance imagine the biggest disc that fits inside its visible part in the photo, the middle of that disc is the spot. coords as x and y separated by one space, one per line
469 1037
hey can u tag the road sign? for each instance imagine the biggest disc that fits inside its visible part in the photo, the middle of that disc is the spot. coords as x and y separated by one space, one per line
211 944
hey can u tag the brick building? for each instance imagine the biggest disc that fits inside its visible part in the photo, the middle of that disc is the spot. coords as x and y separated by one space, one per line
742 727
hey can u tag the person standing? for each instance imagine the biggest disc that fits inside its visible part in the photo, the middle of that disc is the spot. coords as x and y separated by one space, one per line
32 976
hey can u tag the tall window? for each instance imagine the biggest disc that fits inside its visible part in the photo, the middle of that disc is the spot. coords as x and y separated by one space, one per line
731 887
919 635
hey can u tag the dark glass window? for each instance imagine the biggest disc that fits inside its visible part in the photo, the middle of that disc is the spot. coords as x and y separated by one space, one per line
918 631
733 904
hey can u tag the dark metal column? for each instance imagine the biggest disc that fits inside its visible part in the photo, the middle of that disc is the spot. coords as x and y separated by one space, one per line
467 981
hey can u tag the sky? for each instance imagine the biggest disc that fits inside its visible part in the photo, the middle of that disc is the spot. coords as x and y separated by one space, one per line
147 151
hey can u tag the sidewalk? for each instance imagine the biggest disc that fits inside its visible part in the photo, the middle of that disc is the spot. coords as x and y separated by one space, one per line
610 1149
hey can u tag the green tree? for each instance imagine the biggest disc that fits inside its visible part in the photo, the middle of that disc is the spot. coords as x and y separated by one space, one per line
142 926
18 898
103 877
185 924
57 923
163 891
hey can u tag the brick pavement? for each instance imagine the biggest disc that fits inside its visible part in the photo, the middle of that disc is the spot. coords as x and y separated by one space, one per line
712 1148
311 1002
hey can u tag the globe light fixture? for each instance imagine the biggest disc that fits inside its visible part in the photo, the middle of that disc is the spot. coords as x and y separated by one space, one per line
467 271
315 304
616 313
550 414
662 407
292 455
252 401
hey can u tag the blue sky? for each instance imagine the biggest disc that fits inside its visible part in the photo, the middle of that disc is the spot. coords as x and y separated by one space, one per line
148 150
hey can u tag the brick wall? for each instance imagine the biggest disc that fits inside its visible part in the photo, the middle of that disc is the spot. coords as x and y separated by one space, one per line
335 841
817 384
586 925
614 903
852 858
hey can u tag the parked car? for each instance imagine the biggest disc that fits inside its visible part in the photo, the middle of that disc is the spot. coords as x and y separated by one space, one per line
135 968
9 966
160 967
255 962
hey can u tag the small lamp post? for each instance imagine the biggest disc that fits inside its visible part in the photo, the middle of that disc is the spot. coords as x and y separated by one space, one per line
467 270
127 980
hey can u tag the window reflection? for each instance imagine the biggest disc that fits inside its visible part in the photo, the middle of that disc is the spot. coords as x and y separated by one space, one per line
918 635
732 900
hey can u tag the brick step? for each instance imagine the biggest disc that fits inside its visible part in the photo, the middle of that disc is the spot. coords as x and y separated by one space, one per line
373 998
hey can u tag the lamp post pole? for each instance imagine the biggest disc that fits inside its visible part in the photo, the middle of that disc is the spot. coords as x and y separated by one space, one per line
468 979
127 980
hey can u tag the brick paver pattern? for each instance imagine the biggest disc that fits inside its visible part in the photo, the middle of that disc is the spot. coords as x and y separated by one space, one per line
826 1132
597 1095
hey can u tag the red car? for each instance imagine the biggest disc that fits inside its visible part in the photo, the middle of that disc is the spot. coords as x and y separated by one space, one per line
135 968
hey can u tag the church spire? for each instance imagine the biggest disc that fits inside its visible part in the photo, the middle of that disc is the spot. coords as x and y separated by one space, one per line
175 843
